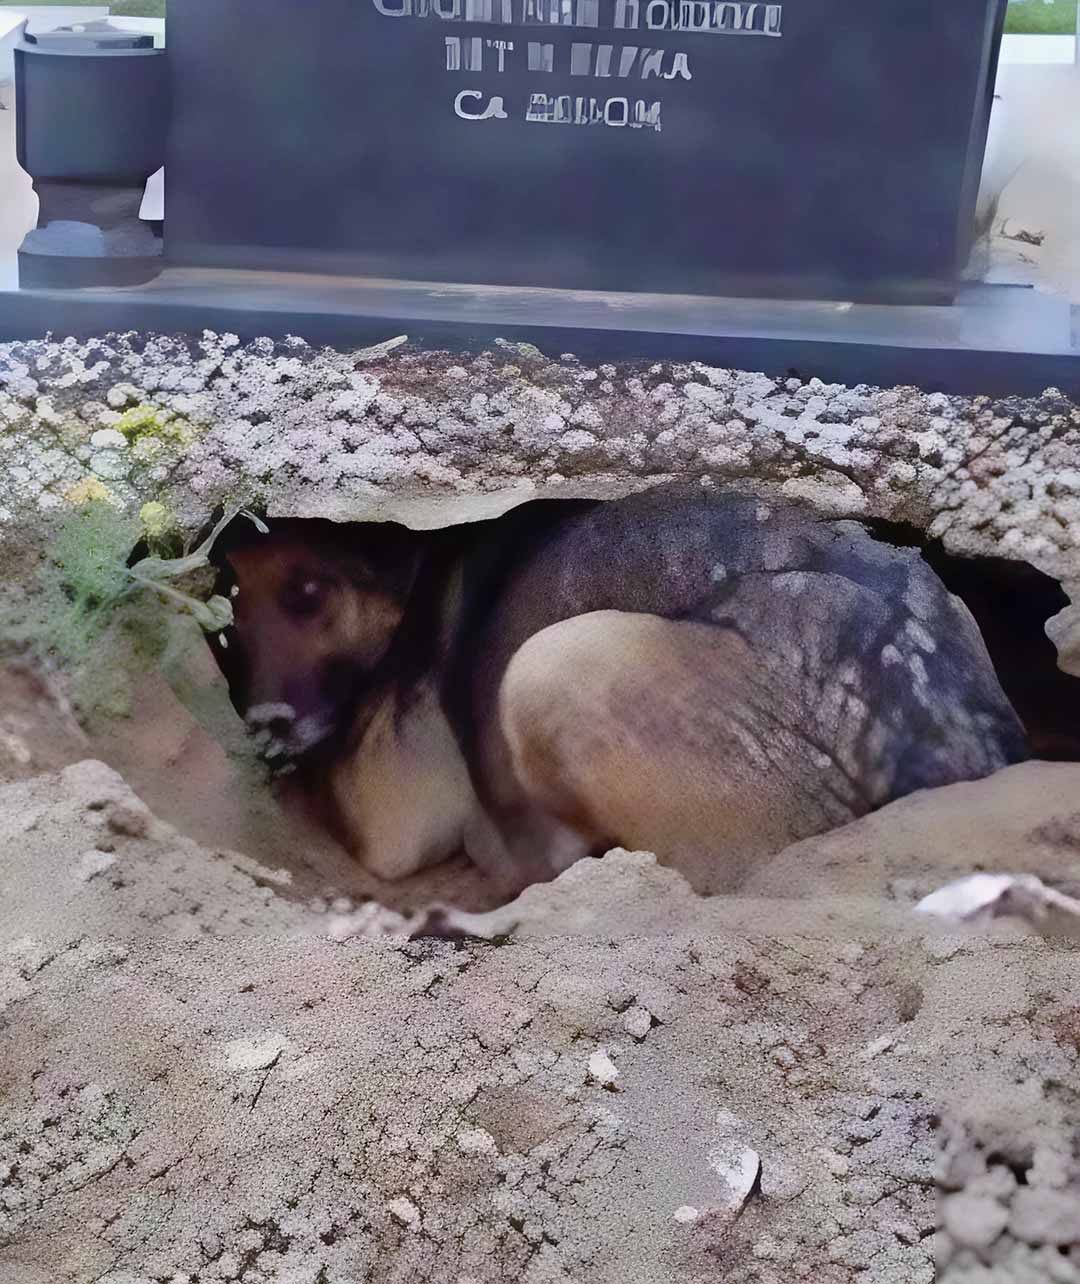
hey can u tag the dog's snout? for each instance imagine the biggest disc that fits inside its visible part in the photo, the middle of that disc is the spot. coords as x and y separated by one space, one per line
270 717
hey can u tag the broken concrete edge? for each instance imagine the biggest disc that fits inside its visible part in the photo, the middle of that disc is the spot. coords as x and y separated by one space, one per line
1063 630
437 438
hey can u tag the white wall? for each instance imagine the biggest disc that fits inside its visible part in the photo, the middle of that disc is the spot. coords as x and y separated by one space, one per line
18 204
1032 172
40 17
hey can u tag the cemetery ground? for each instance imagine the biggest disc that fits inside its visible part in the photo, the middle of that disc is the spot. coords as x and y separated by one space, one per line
227 1054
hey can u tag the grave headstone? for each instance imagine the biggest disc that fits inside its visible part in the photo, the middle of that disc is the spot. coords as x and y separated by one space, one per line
804 148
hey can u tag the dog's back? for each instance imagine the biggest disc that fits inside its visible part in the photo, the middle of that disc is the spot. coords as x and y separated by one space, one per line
760 673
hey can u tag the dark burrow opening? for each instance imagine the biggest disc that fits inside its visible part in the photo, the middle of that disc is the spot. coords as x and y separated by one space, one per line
1011 602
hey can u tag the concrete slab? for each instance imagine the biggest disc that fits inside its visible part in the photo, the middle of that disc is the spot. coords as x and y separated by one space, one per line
1038 49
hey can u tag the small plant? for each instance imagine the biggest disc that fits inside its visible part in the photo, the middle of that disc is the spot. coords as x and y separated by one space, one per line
84 577
158 574
88 587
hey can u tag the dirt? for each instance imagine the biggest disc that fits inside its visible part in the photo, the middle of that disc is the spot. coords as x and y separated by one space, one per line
216 1065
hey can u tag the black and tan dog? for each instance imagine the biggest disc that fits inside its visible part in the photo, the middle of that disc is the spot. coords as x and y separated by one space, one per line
694 673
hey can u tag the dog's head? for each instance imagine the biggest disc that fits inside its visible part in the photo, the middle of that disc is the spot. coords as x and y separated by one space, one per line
316 609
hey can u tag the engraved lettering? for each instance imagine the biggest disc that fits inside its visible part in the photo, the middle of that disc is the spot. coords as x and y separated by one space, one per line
650 62
494 109
714 17
626 14
627 60
541 56
502 48
616 113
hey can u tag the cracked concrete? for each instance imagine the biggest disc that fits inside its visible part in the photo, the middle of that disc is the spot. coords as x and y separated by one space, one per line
431 438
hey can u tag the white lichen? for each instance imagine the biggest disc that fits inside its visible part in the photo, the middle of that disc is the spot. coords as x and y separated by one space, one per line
304 431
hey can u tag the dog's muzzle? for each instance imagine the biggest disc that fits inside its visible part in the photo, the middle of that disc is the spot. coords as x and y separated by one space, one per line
280 737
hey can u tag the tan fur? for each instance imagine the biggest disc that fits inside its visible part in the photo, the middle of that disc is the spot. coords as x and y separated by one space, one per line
663 735
403 795
360 625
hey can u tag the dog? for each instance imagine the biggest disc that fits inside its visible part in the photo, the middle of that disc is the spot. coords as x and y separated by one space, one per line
692 672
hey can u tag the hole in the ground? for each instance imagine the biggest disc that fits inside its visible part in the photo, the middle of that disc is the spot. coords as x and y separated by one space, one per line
394 575
1011 602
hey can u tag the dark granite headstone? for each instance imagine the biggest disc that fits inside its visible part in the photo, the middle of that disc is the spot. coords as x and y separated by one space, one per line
816 148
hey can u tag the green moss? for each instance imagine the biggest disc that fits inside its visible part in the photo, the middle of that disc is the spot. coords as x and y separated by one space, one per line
142 424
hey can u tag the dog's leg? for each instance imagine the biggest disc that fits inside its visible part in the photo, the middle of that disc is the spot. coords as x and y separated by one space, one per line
404 795
670 736
524 845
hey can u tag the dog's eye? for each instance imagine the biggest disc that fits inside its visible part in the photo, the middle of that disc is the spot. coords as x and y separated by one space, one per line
305 595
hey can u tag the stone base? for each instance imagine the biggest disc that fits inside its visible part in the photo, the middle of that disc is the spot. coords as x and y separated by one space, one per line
88 236
994 340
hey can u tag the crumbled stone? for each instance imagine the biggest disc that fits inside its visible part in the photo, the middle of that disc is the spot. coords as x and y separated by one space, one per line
91 864
602 1069
637 1021
974 1221
129 817
419 435
256 1053
1041 1215
406 1212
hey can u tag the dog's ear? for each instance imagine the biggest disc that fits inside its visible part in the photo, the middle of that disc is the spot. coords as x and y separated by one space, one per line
381 555
247 559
